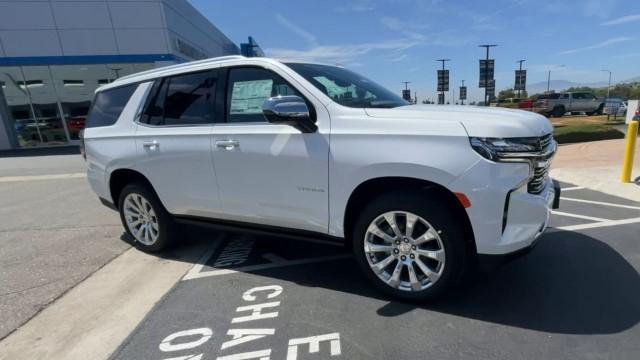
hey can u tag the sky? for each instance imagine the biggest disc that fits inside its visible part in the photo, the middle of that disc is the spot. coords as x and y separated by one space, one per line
391 41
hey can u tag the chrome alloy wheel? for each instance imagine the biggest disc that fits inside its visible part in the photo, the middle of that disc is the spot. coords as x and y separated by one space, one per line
141 219
404 251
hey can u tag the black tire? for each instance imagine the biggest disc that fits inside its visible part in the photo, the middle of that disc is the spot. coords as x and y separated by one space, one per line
435 211
558 111
167 227
600 110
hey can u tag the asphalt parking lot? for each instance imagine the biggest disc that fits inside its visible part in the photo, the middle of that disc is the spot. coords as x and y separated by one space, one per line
576 295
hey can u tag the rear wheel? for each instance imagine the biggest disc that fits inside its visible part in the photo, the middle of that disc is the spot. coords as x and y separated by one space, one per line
408 247
558 111
145 219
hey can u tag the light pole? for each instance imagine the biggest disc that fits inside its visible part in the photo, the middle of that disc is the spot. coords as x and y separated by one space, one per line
609 86
520 91
486 73
442 92
549 78
406 94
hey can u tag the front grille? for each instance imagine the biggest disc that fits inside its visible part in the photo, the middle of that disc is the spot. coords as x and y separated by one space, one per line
541 168
539 179
545 141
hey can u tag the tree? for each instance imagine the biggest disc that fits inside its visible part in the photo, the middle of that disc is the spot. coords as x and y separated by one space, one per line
624 91
506 93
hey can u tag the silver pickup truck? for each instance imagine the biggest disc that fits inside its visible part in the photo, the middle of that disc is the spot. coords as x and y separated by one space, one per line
558 104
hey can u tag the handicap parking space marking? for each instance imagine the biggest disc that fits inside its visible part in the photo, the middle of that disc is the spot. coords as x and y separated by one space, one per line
245 254
245 317
569 217
600 203
578 216
595 225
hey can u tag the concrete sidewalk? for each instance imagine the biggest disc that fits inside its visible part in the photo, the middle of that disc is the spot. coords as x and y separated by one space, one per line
596 165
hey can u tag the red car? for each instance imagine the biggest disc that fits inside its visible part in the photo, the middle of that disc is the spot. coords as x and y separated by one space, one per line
526 104
77 122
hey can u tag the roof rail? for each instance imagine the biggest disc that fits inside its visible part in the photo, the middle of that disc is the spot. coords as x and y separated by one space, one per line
164 68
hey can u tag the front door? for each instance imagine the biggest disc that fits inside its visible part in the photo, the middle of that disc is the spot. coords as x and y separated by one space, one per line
270 174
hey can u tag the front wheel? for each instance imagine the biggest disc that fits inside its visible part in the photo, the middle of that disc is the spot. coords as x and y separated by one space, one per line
145 219
409 246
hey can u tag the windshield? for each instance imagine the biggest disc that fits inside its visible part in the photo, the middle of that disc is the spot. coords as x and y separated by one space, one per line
346 87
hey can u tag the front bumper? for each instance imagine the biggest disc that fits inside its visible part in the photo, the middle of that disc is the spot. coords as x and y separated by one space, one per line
490 262
505 217
526 217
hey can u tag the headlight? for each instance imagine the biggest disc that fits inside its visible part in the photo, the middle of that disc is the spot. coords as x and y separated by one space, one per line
490 148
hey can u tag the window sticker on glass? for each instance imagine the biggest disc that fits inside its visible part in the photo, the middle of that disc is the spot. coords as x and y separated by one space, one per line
247 97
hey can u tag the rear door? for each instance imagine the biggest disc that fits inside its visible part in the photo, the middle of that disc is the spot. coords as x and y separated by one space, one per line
578 102
591 103
173 141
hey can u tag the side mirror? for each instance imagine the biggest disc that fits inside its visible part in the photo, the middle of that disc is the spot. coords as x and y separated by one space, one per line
289 110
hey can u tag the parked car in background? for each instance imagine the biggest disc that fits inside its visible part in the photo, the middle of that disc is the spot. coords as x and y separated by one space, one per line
526 104
558 104
77 123
614 106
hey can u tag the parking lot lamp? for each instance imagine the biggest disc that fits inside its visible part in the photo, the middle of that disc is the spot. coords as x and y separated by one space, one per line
608 86
549 79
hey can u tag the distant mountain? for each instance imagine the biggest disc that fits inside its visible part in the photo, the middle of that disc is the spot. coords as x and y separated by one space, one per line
632 80
559 85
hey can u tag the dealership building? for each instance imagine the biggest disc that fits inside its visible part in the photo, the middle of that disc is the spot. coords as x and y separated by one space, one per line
54 54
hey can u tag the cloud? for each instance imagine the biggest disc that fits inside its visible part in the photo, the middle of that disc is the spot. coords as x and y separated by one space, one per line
357 6
341 53
307 36
398 58
627 56
598 8
599 45
622 20
405 28
586 8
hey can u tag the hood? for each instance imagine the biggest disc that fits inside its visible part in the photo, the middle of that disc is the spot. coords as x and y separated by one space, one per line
478 121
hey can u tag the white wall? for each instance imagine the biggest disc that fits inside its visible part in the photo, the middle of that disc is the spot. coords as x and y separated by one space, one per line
103 27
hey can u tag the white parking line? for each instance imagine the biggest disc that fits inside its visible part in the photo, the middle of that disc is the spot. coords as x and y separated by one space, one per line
595 225
195 270
577 216
572 188
601 203
4 179
201 274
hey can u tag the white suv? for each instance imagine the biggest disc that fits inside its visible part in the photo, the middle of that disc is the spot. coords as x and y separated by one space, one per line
418 191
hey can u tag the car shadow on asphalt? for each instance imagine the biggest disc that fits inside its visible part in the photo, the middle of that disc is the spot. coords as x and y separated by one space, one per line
570 283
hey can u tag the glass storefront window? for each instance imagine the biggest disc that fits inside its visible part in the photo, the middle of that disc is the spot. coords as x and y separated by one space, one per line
47 123
19 106
49 104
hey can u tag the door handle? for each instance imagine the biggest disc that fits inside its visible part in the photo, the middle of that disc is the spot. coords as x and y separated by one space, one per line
228 144
152 145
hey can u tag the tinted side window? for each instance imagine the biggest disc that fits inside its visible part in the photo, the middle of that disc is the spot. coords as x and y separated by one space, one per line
154 109
247 90
182 100
108 104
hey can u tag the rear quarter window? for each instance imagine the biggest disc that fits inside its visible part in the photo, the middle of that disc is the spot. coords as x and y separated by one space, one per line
108 104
